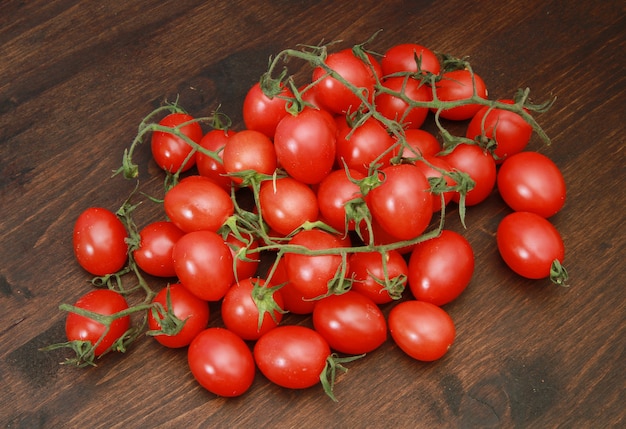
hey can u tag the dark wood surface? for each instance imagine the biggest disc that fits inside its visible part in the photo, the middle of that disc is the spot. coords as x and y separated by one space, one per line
77 77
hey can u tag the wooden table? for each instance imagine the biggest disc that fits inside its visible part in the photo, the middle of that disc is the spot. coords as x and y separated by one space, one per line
77 77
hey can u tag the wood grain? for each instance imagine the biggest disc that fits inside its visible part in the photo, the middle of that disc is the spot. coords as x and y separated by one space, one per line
77 77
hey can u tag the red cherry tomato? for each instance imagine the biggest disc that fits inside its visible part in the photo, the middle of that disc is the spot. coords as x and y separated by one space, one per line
479 165
333 193
458 85
395 108
420 142
422 330
221 362
101 301
367 271
431 169
186 307
293 300
249 150
154 255
99 241
215 141
246 263
261 113
406 57
286 204
170 151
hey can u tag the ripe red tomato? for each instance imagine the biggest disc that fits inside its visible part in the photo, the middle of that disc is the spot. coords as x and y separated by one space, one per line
479 165
529 244
532 182
154 255
249 150
333 193
350 323
422 330
429 169
244 301
215 141
311 274
261 113
305 145
404 57
204 264
402 204
510 131
246 263
367 271
293 300
197 203
292 356
441 268
186 307
286 204
99 240
170 151
395 108
457 85
221 362
101 301
333 94
420 142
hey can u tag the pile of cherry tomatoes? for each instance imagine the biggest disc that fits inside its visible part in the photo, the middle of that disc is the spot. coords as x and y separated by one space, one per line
337 184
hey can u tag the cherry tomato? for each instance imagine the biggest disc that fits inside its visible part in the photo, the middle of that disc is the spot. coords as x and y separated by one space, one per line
333 94
479 165
186 307
532 182
311 274
350 323
204 264
292 356
221 362
402 204
510 131
293 300
154 255
170 151
246 263
395 108
333 193
367 271
405 57
368 144
99 241
420 142
101 301
422 330
441 268
215 141
529 244
431 169
261 113
457 85
286 204
242 304
197 203
305 145
249 150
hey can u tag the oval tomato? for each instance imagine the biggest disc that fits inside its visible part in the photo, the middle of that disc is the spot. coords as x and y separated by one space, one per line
246 262
262 113
458 85
395 108
221 362
422 330
204 264
101 301
292 356
509 130
530 245
193 311
249 150
243 303
350 323
215 141
367 271
154 254
402 204
332 195
196 203
293 300
99 241
286 204
170 151
431 169
532 182
441 268
479 165
409 57
420 142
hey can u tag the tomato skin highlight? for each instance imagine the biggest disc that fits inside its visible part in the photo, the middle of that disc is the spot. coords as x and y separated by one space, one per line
529 244
101 301
185 306
99 241
422 330
441 268
350 322
221 362
170 151
532 182
292 356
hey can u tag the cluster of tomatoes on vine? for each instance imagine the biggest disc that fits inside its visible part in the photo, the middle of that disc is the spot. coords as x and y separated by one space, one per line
346 191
